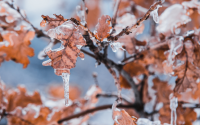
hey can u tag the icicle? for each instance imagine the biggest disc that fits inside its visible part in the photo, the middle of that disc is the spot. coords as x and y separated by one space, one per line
65 77
79 46
115 112
119 93
154 13
173 106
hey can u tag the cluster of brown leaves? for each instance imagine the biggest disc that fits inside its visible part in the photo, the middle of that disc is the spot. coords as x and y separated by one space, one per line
23 108
16 35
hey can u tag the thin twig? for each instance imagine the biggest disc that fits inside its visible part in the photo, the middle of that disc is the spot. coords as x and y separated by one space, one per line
96 109
112 95
115 13
127 30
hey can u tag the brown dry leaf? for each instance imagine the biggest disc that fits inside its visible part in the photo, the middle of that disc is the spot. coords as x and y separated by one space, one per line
57 91
18 49
125 119
133 69
94 12
21 98
64 58
196 94
163 90
183 61
103 28
121 117
50 23
184 115
17 33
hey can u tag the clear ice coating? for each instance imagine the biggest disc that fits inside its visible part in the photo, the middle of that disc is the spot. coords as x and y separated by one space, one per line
115 46
154 13
173 106
65 77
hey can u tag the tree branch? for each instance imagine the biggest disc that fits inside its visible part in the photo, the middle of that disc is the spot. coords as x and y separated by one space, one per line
127 30
96 109
112 95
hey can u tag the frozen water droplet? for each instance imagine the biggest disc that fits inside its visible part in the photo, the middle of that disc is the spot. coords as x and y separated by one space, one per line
154 13
79 46
65 77
96 64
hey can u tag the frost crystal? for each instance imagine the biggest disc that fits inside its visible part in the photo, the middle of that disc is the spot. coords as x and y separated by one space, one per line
154 13
65 77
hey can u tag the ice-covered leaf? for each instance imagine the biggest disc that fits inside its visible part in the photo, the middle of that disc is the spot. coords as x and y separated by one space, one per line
172 17
121 117
50 23
64 58
103 28
183 61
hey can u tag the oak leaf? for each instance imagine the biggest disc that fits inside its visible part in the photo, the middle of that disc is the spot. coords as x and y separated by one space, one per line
121 117
103 28
64 58
183 61
50 23
17 33
18 48
20 98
